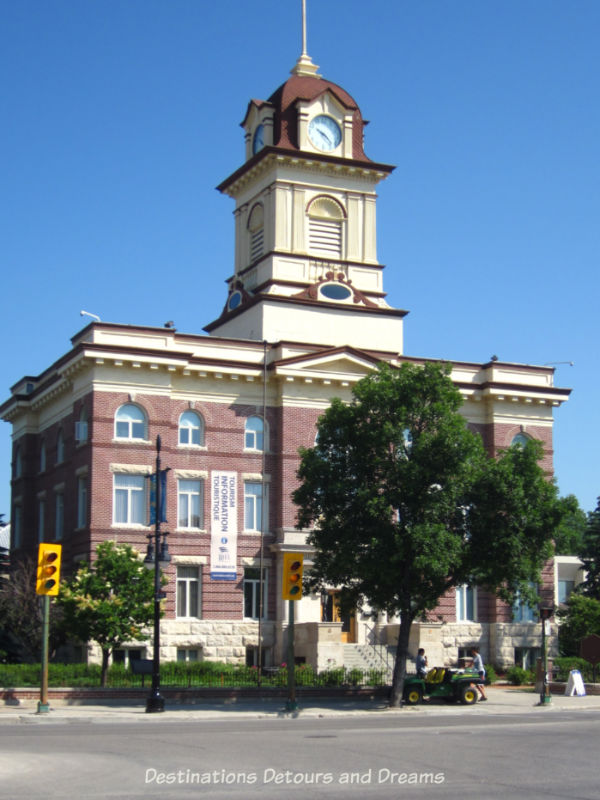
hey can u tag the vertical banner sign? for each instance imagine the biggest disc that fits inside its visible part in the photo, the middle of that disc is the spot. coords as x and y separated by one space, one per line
163 497
223 526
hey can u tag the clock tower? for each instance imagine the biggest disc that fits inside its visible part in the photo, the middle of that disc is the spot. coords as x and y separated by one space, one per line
306 267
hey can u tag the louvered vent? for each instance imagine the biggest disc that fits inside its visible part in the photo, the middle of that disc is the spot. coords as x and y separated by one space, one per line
325 237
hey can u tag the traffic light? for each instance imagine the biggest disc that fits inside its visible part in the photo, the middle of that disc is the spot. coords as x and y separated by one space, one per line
293 564
48 569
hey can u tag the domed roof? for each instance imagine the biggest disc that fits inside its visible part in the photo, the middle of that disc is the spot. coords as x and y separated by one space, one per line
307 88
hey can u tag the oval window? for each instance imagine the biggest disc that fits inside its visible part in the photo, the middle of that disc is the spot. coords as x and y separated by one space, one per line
335 291
234 300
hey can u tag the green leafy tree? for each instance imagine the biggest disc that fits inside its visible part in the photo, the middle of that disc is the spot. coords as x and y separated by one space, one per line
569 536
579 618
110 601
590 554
403 503
21 616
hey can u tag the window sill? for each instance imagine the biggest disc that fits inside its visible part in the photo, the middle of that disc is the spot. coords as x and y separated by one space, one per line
131 526
118 440
196 447
190 530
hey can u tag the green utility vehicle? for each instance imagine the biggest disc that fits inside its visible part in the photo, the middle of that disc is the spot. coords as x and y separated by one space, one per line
453 685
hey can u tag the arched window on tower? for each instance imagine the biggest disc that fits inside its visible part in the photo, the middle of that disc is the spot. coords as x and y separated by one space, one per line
256 232
325 227
521 439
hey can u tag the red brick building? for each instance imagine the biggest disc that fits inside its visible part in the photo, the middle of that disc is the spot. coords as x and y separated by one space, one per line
305 317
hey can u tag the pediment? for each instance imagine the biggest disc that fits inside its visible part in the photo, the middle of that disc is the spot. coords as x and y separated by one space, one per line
343 363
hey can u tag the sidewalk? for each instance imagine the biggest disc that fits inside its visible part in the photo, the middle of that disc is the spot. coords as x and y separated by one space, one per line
501 700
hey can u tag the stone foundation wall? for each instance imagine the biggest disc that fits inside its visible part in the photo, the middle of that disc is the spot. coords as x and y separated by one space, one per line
216 640
497 640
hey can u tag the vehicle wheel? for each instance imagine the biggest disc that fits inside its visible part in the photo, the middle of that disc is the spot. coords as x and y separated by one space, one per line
468 695
413 695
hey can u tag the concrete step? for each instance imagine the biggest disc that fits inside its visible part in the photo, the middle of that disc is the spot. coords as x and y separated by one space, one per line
366 657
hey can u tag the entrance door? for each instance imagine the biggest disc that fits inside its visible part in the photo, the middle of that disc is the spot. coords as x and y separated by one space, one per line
332 612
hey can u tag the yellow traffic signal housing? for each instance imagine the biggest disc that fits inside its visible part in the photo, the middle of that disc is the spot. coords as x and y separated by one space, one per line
293 565
48 569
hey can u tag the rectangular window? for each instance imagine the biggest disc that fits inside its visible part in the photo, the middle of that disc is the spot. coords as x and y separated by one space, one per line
526 657
130 499
190 504
188 592
125 655
252 593
81 431
522 612
59 518
81 502
187 654
253 506
41 519
564 590
466 605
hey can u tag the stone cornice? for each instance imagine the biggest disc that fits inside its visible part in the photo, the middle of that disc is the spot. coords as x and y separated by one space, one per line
270 157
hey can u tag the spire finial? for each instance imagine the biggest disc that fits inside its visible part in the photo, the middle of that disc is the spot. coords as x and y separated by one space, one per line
304 65
304 50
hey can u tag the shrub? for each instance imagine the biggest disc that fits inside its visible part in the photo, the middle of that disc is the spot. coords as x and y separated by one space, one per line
562 666
332 677
519 676
305 675
376 677
355 677
490 674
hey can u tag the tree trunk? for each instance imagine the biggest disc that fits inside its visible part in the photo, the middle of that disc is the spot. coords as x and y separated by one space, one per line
400 663
104 670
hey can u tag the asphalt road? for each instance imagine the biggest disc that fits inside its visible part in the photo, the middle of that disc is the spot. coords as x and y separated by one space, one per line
485 757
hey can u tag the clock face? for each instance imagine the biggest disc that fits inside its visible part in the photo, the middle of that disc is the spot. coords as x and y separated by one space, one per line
324 133
259 139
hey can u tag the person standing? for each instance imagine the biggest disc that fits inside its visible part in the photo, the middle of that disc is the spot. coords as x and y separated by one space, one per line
421 662
478 666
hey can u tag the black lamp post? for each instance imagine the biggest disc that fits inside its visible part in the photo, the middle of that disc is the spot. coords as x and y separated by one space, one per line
157 556
545 614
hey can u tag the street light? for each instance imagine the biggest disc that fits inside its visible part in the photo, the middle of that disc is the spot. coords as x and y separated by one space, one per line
157 556
545 614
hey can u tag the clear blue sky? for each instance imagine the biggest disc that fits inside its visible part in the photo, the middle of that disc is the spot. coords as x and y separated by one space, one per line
121 116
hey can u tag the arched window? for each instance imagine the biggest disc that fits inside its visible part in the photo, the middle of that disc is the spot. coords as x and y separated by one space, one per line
254 434
130 422
81 427
521 439
325 224
191 428
60 447
256 231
